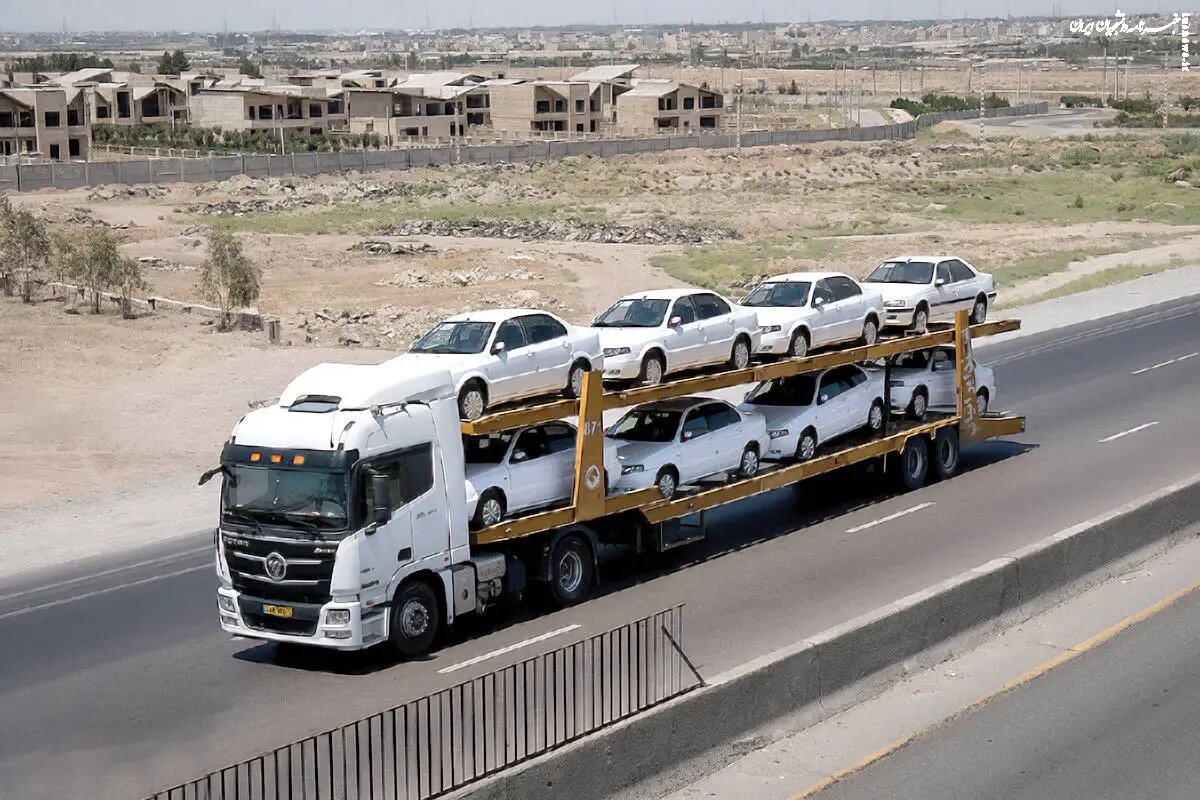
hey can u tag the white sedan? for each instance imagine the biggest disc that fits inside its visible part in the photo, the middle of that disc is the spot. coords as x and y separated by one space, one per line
506 354
533 467
917 289
812 309
647 335
679 441
926 379
804 411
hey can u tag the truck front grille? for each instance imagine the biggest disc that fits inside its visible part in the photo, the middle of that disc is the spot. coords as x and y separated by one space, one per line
307 571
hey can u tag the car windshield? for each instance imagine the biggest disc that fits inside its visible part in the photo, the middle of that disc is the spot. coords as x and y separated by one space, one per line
272 494
797 390
489 449
901 272
646 425
633 314
458 338
781 294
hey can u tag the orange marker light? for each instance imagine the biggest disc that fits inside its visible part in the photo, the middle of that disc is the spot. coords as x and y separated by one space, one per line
298 460
276 459
256 456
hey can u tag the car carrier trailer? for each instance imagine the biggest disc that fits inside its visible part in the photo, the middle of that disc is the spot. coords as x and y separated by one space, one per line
403 564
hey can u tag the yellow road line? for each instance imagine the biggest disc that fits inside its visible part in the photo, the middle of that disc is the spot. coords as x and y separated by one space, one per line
1070 654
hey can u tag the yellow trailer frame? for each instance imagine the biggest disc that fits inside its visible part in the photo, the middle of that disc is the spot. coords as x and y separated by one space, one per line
590 502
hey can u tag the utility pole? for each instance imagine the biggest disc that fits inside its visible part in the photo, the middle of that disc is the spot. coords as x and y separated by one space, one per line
982 95
741 99
1104 77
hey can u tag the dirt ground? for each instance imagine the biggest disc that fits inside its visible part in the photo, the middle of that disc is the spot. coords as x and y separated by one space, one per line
93 402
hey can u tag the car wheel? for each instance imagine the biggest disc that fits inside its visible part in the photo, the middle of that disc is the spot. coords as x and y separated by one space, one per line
489 510
919 405
799 345
739 357
472 401
920 320
415 619
571 571
652 370
945 453
667 482
979 311
870 332
806 445
981 400
913 463
575 379
748 466
875 417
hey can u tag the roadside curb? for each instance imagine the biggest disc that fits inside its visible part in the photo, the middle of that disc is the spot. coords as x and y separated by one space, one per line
797 686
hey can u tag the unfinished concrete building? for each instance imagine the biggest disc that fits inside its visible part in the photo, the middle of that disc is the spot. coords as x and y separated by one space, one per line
266 108
663 105
523 107
46 121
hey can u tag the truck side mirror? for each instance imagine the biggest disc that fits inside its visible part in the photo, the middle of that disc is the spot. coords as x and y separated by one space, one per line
381 504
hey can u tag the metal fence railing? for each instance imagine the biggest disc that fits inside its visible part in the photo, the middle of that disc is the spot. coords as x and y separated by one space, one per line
436 744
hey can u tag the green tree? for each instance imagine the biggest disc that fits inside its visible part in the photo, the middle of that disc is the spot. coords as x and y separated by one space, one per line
247 67
97 264
173 63
228 277
24 244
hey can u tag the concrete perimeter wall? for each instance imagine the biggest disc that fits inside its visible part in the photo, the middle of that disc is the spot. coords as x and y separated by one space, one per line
72 175
827 673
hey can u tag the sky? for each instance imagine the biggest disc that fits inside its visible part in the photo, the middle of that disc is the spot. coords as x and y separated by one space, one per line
249 15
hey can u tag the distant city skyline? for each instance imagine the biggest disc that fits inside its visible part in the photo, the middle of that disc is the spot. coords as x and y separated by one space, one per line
216 15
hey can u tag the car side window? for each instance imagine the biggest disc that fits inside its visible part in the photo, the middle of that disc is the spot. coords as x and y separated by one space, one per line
696 424
542 328
845 288
709 306
684 310
943 360
960 271
833 384
512 334
856 377
943 272
824 291
720 416
409 473
559 438
530 444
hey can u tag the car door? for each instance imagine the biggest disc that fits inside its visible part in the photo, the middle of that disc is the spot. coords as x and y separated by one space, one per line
942 388
966 284
832 415
551 349
945 294
850 306
684 341
560 455
531 473
726 432
716 319
515 366
857 399
825 317
697 448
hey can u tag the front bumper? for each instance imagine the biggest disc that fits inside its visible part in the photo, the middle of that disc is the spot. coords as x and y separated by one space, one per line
898 317
777 343
308 625
783 448
622 368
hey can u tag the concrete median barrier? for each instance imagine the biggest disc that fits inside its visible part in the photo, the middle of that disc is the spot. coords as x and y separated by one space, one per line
815 678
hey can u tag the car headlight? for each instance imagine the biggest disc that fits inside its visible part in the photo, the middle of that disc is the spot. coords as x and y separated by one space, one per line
769 328
893 304
337 616
778 434
609 352
895 383
226 604
628 468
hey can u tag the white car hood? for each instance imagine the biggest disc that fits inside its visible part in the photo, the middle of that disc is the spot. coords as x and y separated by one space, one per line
633 338
895 291
777 417
781 315
648 454
454 363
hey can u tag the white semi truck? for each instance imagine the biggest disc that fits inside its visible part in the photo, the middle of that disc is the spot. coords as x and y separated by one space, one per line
344 520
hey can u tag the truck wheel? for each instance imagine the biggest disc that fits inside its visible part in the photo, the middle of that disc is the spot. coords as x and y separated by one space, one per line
571 571
913 463
667 481
415 619
920 319
748 466
652 369
472 400
875 417
489 510
806 445
945 453
575 379
979 311
799 346
919 405
739 357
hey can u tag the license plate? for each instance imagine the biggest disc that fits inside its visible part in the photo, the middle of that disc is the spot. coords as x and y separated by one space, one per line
284 612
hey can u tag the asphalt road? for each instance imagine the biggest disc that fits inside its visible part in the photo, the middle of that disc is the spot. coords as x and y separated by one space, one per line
1117 722
118 683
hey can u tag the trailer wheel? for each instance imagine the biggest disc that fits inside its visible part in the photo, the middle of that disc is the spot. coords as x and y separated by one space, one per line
945 453
913 463
919 405
416 617
667 481
571 571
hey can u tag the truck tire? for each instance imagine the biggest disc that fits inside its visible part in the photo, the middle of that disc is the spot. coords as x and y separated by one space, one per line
919 405
472 400
489 510
572 571
912 464
416 617
945 453
653 369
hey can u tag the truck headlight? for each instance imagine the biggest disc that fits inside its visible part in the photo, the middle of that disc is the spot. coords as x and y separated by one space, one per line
337 616
893 304
769 328
629 468
226 604
609 352
778 434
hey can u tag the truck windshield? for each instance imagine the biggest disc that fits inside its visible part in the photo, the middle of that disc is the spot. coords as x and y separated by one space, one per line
797 390
308 498
455 338
647 425
781 294
901 272
633 314
489 449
